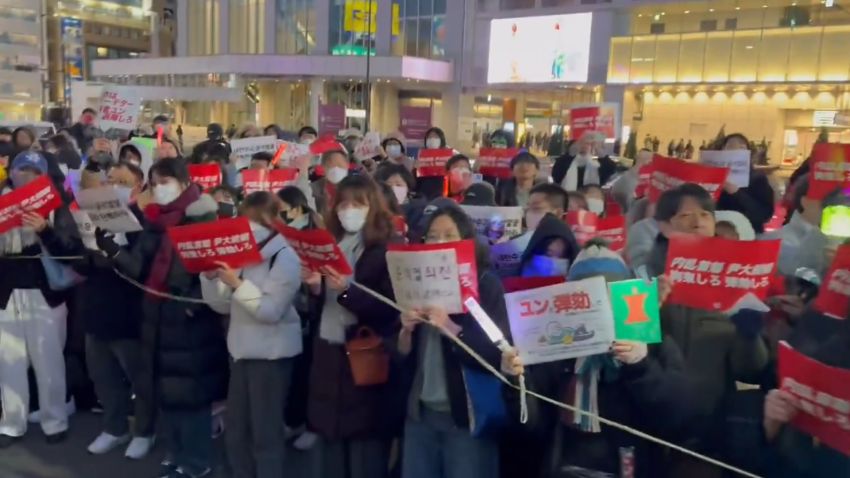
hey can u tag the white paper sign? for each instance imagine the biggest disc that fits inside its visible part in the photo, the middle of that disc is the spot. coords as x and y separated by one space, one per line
244 148
119 107
292 152
738 162
495 223
507 257
561 321
369 147
425 278
107 210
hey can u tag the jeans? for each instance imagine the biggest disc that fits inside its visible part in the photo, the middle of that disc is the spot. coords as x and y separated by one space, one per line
434 447
188 438
114 369
255 403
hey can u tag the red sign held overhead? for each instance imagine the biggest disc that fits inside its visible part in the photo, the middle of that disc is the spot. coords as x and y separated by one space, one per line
670 173
272 180
594 119
712 273
496 162
202 246
316 248
834 296
207 176
39 196
587 225
432 162
830 169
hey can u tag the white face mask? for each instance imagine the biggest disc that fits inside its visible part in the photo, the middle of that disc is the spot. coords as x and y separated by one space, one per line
260 232
393 150
400 193
532 219
164 194
353 218
595 205
335 175
307 140
433 143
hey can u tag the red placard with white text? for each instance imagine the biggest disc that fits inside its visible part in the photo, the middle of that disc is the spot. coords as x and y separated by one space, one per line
583 225
316 248
465 253
829 169
432 162
613 230
270 180
201 246
597 119
824 396
712 273
207 176
39 196
670 173
496 161
644 178
834 296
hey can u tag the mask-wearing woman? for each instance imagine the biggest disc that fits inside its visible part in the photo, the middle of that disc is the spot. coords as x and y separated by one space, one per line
432 187
23 138
295 210
184 355
355 423
458 176
437 439
263 338
403 185
756 200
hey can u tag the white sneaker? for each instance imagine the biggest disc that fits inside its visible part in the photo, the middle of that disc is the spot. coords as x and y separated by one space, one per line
104 443
305 441
139 447
70 409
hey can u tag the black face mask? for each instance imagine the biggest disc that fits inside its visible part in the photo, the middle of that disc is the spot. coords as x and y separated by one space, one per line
226 209
286 218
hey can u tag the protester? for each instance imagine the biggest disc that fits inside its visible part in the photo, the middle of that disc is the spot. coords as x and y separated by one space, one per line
273 130
803 229
501 139
307 134
355 423
263 338
396 151
215 138
32 314
5 135
573 172
515 191
733 225
261 160
625 186
551 249
577 202
64 151
78 129
167 150
403 185
459 176
595 198
479 194
437 440
435 138
336 165
755 201
226 200
183 348
249 130
23 138
129 153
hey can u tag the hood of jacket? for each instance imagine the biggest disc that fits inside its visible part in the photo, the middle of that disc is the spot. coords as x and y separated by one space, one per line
551 227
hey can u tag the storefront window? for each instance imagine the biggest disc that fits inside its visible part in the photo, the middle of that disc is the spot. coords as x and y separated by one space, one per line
296 27
422 29
204 29
353 27
247 26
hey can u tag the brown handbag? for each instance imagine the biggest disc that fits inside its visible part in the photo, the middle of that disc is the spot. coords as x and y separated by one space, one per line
370 364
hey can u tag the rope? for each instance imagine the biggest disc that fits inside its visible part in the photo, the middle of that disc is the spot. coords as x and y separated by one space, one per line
521 387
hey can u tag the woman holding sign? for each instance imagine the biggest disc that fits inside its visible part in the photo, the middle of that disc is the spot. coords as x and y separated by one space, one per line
356 423
438 442
183 350
755 200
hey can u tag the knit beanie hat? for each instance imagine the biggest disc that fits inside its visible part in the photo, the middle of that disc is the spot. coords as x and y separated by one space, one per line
595 259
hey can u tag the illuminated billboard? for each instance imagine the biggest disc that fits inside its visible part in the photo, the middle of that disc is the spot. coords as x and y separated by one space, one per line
549 49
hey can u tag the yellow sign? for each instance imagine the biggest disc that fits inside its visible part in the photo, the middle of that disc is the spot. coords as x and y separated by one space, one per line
357 17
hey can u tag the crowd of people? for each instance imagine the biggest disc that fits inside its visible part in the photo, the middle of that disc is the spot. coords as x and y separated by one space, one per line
259 354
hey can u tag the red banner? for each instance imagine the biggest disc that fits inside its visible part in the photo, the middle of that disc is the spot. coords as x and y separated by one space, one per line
496 162
325 144
400 225
272 180
824 396
200 246
39 196
670 173
316 248
518 284
830 169
834 296
432 162
587 225
600 119
207 176
644 178
465 253
713 273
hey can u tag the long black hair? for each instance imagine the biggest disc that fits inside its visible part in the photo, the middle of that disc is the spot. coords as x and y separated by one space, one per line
293 196
467 231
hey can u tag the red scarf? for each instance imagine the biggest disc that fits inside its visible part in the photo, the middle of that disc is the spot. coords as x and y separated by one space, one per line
159 218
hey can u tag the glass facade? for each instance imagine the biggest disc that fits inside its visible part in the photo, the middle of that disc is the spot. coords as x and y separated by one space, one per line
296 27
353 27
247 26
421 29
204 27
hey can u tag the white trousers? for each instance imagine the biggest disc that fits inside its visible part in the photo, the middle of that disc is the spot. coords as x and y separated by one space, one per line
32 332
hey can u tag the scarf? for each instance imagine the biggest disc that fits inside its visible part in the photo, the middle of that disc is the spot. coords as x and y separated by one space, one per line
159 218
583 390
336 318
591 172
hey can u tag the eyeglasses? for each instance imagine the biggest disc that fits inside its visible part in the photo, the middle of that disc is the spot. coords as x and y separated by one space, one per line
435 239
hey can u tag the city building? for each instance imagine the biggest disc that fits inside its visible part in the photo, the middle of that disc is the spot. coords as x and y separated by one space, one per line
22 60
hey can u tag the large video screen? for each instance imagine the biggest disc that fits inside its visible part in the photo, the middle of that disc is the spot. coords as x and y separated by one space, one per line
550 49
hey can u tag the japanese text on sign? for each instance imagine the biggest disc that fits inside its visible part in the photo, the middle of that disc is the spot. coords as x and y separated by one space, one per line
830 169
834 296
119 107
272 181
107 211
670 173
201 246
243 149
39 196
207 176
316 248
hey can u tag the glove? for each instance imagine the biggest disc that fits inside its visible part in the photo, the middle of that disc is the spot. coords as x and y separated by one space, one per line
749 322
106 243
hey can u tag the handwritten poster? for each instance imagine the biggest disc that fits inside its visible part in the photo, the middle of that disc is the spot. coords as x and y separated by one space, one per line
107 210
119 107
737 161
426 279
243 149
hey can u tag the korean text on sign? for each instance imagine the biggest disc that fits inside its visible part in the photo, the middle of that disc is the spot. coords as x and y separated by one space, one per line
107 211
39 196
823 393
467 270
830 169
201 246
562 321
316 248
119 107
714 273
670 173
426 278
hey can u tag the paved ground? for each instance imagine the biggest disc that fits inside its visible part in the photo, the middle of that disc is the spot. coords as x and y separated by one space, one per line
33 458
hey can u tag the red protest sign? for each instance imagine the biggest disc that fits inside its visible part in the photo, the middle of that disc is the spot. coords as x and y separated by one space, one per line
518 284
670 173
644 177
583 225
207 176
465 254
613 230
400 225
713 273
432 162
271 180
599 118
496 161
39 196
830 169
824 396
326 143
201 245
316 248
834 296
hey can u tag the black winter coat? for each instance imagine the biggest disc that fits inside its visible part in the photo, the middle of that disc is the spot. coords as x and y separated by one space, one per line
756 202
607 169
